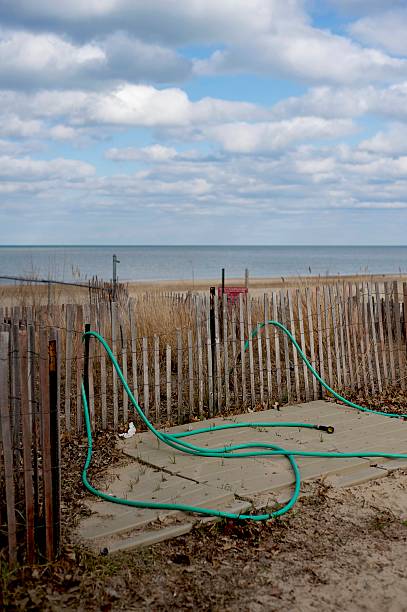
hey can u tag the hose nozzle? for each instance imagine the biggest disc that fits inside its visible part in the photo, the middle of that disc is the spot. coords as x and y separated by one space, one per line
328 428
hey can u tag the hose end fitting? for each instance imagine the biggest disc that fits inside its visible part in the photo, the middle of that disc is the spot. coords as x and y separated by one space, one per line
328 428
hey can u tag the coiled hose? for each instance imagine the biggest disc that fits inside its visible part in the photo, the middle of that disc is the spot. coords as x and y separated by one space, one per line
255 449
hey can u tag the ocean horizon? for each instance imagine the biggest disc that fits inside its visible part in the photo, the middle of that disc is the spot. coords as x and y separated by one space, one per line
187 262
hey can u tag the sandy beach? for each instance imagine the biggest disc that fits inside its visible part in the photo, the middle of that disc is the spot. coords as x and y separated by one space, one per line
19 293
261 284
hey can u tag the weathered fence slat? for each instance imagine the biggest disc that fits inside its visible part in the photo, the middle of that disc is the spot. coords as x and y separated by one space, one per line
146 407
379 308
79 367
115 398
209 361
123 340
69 337
400 350
219 398
261 372
35 423
157 392
303 345
348 334
200 359
133 336
327 320
168 381
234 354
268 348
26 421
387 293
242 351
311 340
46 444
283 305
103 379
293 349
363 352
333 305
320 338
251 358
15 385
367 337
277 349
180 379
54 359
191 385
6 438
339 301
374 338
226 350
354 326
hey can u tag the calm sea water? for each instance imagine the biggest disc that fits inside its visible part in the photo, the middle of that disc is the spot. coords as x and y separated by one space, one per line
197 262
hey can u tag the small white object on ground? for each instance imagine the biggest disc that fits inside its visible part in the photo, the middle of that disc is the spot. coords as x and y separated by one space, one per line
130 432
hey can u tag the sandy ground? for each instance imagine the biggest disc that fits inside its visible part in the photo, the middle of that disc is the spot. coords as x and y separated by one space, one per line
15 294
339 550
261 284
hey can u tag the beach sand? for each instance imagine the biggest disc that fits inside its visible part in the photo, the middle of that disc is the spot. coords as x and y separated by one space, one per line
21 294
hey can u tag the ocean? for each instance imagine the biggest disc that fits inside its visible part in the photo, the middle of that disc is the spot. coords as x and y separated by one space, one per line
141 263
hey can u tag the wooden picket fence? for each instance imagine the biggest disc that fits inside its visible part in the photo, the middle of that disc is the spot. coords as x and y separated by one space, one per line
30 482
354 334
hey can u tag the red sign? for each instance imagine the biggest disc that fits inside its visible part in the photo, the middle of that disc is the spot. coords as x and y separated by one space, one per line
232 293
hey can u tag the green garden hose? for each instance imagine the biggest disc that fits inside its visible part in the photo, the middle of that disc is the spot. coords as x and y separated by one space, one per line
255 449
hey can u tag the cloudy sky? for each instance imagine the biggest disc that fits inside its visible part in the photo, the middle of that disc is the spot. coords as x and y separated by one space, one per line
203 121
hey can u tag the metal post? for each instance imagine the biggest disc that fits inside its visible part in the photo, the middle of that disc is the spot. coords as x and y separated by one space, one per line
86 364
221 305
246 277
115 262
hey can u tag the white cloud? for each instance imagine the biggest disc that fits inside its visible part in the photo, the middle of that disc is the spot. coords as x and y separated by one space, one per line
273 37
181 22
153 153
36 60
136 105
392 141
386 30
27 169
306 54
295 48
290 185
333 102
274 136
62 132
27 58
12 125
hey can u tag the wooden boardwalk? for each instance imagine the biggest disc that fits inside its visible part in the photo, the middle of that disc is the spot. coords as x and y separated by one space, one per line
160 473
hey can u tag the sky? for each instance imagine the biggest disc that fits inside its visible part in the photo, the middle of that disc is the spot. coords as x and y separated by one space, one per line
203 122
